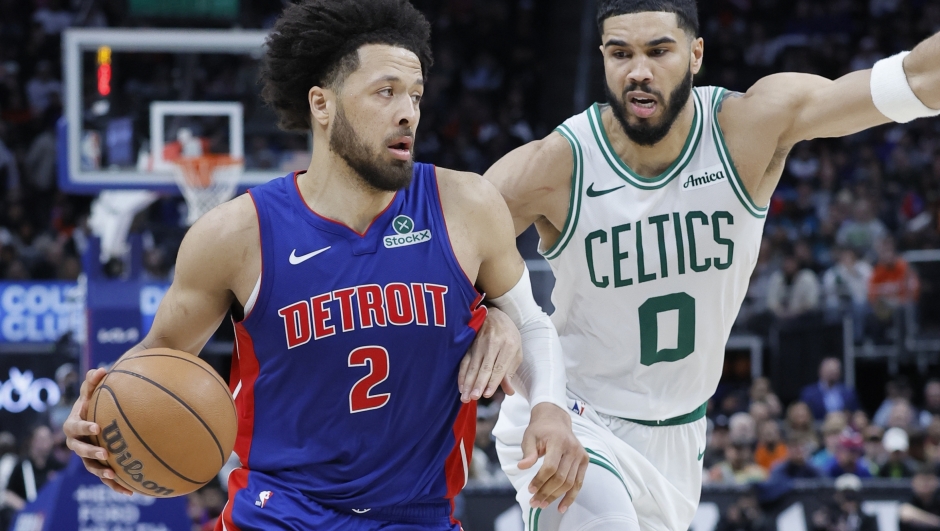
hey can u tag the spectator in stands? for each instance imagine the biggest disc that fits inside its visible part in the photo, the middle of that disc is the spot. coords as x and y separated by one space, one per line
898 464
743 428
844 513
931 402
718 440
738 468
831 430
37 465
10 503
859 421
922 511
761 392
828 394
848 457
893 285
932 442
760 412
770 447
896 390
874 450
863 231
902 415
799 424
796 464
745 514
792 292
43 90
845 286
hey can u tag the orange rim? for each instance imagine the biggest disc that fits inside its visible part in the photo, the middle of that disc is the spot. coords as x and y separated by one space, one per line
198 171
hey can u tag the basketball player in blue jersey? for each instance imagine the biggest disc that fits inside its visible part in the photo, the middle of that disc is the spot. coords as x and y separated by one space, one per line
356 288
651 210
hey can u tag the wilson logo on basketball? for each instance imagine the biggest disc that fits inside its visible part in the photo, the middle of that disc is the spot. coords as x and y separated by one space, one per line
115 444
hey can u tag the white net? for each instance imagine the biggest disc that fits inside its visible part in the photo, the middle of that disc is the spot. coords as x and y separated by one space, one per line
207 182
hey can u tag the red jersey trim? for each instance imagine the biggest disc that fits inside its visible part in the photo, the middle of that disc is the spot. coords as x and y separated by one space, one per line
237 481
261 254
457 465
245 369
333 221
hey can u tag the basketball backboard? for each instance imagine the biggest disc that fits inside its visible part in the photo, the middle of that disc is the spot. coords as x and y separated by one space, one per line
135 99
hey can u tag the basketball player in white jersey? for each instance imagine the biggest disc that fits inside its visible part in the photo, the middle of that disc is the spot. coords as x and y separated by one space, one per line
650 211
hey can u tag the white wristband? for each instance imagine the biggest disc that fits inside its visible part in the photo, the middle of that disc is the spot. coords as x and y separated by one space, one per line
541 376
892 93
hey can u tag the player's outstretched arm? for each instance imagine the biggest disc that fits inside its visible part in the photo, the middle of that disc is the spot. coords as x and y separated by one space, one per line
541 376
213 256
762 125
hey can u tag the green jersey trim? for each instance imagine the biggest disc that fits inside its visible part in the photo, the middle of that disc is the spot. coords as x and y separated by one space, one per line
737 184
688 418
595 459
574 200
625 172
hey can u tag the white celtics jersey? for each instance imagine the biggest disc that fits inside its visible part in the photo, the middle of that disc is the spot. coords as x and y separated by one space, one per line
651 272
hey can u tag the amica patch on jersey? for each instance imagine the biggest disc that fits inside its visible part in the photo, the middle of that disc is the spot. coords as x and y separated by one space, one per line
703 178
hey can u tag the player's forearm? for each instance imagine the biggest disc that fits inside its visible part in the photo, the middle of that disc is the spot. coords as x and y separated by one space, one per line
922 67
541 375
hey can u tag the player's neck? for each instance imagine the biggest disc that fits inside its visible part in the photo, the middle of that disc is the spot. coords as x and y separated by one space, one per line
650 161
334 190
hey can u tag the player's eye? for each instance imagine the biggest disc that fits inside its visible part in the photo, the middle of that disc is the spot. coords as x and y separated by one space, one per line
659 52
416 98
387 92
620 54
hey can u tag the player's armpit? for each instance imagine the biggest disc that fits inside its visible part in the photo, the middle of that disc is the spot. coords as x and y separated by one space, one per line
535 181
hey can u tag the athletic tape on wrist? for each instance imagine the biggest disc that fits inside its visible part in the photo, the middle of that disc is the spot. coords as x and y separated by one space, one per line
892 93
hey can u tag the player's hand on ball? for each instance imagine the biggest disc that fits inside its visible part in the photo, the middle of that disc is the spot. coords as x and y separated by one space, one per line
565 460
77 431
492 360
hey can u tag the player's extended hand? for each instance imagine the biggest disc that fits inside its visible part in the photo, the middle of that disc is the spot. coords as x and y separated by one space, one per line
77 430
492 359
549 435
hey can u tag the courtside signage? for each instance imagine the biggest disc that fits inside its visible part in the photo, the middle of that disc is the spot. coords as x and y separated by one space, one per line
41 312
404 227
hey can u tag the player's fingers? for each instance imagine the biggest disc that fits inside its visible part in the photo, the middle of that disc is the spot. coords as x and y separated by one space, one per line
498 375
75 427
530 452
92 379
550 464
572 494
85 450
507 384
474 362
96 468
116 487
554 486
462 374
488 365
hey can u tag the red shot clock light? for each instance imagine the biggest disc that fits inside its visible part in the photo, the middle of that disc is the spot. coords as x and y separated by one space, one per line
104 70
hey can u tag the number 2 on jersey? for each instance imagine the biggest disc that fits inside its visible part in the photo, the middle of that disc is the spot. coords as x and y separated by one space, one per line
649 328
360 396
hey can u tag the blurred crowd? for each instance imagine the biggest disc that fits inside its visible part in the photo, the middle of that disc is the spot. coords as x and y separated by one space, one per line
843 213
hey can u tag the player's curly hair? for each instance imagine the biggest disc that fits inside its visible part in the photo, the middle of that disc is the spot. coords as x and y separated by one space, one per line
686 10
316 43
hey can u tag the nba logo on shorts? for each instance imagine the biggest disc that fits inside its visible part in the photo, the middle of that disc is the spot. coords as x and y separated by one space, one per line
263 498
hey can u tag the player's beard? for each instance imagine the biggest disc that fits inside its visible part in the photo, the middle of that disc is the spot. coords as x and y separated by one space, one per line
384 175
647 133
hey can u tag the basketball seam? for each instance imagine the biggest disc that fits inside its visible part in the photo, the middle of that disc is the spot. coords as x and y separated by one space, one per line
203 369
144 443
188 408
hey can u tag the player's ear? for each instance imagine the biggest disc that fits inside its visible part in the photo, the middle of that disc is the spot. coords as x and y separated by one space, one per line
698 54
321 105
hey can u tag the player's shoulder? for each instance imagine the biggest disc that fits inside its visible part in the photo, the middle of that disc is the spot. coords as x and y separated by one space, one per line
540 165
225 234
467 191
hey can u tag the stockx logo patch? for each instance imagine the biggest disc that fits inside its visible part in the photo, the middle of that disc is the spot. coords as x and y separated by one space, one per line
405 234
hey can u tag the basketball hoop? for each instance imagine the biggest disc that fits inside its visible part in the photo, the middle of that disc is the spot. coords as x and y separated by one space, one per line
207 181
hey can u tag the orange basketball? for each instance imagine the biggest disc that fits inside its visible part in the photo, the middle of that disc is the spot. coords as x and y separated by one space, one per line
167 422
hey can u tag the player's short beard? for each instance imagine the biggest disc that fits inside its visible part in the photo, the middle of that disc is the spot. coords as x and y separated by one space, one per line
647 133
384 175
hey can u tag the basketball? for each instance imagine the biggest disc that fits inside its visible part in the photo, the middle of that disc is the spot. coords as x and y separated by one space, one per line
167 422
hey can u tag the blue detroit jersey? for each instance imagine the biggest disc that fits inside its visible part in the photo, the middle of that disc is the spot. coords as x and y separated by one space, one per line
345 370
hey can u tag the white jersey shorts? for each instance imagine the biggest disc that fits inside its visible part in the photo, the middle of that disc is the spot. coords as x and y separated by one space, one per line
658 464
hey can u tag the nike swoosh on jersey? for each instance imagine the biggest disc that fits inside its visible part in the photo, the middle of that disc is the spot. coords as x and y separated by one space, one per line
294 259
592 193
701 454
